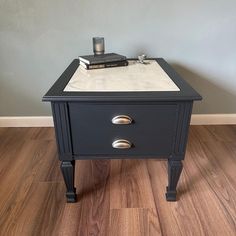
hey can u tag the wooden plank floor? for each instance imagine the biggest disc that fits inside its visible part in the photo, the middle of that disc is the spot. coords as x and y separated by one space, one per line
118 197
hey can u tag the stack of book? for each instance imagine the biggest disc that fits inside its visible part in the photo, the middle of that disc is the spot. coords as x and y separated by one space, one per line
102 61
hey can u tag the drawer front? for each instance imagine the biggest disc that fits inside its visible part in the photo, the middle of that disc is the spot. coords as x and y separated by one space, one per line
151 131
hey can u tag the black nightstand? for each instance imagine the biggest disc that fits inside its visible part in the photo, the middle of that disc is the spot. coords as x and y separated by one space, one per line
139 111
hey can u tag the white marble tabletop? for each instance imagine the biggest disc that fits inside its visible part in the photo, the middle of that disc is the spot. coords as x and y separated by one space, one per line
134 77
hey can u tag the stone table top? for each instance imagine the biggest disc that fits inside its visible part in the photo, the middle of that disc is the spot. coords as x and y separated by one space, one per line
134 77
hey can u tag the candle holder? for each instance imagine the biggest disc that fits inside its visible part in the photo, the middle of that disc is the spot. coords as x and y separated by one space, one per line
141 59
98 45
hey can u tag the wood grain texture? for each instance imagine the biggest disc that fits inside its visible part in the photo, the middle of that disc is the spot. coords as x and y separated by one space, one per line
134 221
130 185
117 197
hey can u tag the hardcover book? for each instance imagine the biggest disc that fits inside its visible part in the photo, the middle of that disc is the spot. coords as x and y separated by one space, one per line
104 65
103 58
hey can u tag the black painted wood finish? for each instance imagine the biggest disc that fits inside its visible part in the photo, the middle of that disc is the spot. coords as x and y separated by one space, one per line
62 130
174 170
68 170
84 129
150 132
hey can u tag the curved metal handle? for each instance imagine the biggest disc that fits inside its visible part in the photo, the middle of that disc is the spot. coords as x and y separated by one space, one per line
121 144
121 120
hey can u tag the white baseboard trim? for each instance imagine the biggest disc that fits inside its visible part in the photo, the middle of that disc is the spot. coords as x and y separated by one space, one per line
26 121
47 121
213 119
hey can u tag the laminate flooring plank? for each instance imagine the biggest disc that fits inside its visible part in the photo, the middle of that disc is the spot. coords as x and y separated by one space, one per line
217 180
15 183
130 188
42 133
9 156
23 167
133 222
154 226
215 191
11 142
176 218
49 169
117 197
91 213
222 155
70 221
214 132
130 185
28 217
2 131
210 209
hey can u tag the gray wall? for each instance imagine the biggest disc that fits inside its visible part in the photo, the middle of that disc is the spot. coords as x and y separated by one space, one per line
38 39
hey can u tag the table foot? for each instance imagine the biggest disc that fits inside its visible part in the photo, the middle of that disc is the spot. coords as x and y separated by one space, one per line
174 170
68 170
170 195
71 196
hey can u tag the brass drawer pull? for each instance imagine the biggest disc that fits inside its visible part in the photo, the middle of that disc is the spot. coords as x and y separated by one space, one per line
121 144
121 120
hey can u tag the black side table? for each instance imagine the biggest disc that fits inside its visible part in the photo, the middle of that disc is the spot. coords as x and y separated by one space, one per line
125 112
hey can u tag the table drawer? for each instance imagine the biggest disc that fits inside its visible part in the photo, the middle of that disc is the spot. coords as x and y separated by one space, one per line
151 131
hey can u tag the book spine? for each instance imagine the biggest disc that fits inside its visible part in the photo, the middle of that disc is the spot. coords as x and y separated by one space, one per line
106 65
98 60
107 60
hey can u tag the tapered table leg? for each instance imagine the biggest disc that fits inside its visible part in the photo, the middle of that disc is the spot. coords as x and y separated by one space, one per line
68 170
174 170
